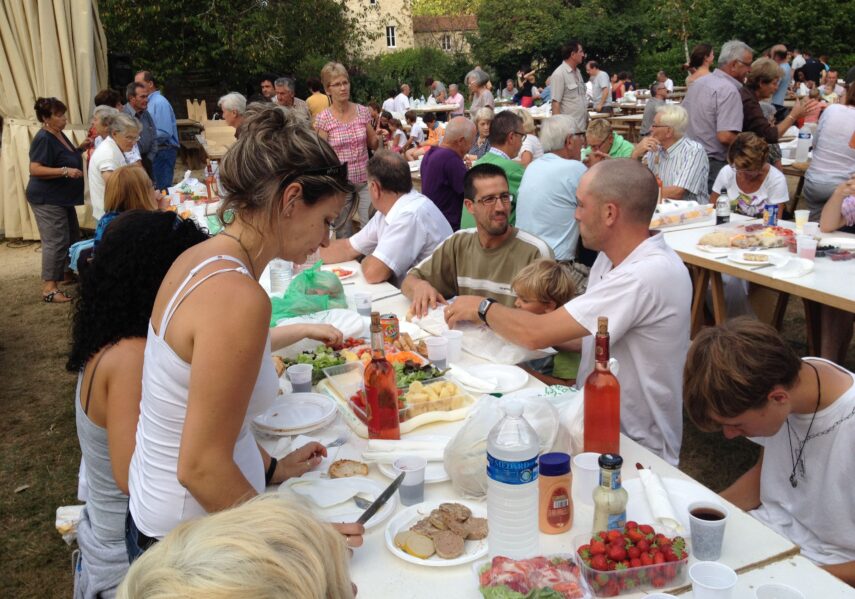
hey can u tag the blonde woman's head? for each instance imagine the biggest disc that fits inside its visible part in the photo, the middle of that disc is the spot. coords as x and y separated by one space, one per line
267 548
129 188
748 152
527 119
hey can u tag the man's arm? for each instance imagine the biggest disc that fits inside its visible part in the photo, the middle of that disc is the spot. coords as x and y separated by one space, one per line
726 137
844 571
375 270
673 192
603 99
339 250
745 492
556 107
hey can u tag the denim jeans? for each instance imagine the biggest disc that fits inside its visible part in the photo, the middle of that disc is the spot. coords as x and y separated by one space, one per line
164 167
136 542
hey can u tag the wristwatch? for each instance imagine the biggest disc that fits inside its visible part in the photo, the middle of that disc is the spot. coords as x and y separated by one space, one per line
483 307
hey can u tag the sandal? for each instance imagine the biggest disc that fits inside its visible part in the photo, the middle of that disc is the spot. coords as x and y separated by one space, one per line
50 298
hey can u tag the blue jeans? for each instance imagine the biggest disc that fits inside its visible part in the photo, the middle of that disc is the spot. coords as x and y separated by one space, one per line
135 542
164 167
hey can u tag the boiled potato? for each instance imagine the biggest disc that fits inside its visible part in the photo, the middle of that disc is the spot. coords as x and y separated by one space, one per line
450 387
416 398
416 387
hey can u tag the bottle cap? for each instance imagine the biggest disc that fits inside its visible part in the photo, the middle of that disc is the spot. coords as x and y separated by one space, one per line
513 408
610 461
554 464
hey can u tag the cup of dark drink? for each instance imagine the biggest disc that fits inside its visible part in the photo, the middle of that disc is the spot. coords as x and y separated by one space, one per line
707 520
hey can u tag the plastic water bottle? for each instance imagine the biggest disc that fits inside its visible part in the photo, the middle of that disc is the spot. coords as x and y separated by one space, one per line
512 449
280 276
803 146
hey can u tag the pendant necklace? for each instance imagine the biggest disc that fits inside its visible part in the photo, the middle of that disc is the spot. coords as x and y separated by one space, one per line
796 461
245 251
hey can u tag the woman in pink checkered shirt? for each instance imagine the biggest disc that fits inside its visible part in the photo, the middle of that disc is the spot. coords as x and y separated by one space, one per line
347 128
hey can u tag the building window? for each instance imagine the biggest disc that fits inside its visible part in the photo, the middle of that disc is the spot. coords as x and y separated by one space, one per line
372 2
446 41
390 36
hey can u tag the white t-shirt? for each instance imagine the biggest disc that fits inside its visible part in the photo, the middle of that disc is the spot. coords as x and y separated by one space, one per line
531 144
401 103
399 138
106 157
404 237
817 514
417 133
599 82
647 299
833 158
389 104
773 190
669 85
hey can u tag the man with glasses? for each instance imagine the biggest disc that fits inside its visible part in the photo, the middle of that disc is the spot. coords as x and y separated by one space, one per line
569 94
137 107
603 143
481 261
658 95
679 162
715 106
506 138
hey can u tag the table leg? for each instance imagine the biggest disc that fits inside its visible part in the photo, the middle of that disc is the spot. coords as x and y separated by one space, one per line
812 327
780 310
719 308
701 278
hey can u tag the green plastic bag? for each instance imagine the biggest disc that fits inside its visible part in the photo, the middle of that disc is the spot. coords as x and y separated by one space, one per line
313 290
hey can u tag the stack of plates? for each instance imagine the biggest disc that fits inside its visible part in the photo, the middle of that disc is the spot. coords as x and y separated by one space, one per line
296 414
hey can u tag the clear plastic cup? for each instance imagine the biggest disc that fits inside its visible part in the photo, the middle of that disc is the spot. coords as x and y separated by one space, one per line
412 489
437 348
811 229
455 344
300 376
586 473
362 301
801 219
707 520
712 580
806 247
776 590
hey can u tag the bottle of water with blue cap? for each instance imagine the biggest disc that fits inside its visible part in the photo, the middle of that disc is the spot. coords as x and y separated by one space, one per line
512 450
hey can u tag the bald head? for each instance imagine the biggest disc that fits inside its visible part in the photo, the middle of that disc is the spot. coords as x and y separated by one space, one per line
459 135
628 184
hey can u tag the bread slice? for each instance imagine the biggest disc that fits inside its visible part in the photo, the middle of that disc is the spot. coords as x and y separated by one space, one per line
346 468
279 365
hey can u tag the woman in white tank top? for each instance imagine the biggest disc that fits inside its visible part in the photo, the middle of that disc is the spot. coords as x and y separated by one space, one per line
206 372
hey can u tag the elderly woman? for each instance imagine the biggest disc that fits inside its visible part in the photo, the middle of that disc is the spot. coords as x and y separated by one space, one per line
833 153
482 97
124 131
233 107
483 119
207 372
700 61
748 180
347 127
761 83
54 189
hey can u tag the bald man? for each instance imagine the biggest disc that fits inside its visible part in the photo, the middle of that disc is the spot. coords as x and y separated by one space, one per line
638 283
443 169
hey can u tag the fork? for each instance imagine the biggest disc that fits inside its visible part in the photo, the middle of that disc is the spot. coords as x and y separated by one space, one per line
361 503
338 442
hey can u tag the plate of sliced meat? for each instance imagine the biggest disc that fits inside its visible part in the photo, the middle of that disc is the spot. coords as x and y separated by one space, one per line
439 535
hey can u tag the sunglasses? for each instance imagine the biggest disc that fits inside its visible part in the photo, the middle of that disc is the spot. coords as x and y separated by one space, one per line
337 172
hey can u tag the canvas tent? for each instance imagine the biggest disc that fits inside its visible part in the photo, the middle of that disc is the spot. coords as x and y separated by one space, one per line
47 48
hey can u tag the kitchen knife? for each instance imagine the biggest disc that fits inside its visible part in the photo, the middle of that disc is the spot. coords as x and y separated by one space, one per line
380 501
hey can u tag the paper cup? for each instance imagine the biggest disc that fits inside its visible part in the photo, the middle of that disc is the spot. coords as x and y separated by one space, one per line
437 348
806 247
300 376
712 580
811 229
362 302
586 474
455 344
412 489
777 591
707 520
801 219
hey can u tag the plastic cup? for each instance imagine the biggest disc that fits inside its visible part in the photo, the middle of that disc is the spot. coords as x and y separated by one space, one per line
806 247
707 520
437 348
300 376
811 229
586 474
412 489
712 580
455 344
801 219
362 301
777 591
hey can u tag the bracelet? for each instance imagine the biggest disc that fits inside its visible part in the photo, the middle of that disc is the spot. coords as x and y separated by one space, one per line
268 476
65 172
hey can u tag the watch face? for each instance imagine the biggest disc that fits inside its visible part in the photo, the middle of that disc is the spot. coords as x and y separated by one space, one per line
483 305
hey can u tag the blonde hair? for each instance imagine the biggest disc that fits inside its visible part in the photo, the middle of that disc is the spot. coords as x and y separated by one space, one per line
748 151
674 116
330 71
129 188
484 114
123 123
599 129
266 548
527 119
763 70
545 281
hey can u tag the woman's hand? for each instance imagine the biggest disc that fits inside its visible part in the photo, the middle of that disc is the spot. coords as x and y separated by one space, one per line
325 333
352 533
74 173
299 461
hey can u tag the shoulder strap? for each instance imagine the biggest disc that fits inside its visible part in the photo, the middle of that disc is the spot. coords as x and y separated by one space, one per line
92 378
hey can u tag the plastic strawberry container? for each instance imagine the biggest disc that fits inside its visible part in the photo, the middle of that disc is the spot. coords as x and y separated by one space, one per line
658 577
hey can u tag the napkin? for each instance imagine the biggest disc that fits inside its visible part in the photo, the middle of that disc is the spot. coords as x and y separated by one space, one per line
657 498
386 452
467 379
793 269
327 492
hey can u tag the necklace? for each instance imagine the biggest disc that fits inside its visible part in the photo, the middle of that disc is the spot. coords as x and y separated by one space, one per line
245 251
798 460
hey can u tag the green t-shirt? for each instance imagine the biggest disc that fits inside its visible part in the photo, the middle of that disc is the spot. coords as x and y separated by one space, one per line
621 148
566 365
461 266
513 171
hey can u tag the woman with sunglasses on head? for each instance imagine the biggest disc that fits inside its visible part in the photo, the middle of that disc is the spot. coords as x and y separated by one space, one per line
207 370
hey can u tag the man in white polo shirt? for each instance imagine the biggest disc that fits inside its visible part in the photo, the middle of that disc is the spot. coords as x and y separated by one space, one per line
405 230
639 283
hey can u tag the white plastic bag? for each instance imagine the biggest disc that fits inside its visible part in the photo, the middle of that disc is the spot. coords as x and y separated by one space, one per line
466 454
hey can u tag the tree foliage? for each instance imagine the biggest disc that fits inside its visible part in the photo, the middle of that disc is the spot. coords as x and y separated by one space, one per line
435 8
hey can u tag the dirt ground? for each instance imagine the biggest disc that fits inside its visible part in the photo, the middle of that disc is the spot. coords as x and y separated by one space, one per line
39 454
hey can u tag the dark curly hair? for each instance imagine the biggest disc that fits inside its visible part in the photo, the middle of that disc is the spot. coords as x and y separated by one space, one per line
118 289
47 107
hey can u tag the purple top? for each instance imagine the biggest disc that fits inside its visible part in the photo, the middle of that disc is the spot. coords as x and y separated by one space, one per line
442 174
714 105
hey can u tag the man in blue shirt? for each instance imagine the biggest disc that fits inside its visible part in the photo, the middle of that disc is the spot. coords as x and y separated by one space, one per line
546 205
779 55
166 131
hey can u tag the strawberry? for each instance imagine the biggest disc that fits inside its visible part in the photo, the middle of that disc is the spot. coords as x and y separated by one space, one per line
643 545
598 562
635 562
658 558
658 582
617 553
614 535
584 551
634 535
646 529
612 589
646 559
597 547
662 539
633 552
630 524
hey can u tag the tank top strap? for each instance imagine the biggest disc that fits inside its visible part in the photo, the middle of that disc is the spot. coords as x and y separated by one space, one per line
175 301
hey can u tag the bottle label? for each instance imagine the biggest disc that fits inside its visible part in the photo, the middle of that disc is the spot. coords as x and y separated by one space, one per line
610 478
558 510
616 521
805 135
512 473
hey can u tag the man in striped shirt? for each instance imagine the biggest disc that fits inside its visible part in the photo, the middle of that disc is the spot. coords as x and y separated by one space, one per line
481 261
680 163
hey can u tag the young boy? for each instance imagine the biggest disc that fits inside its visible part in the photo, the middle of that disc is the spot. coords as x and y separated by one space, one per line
742 378
417 134
544 286
434 136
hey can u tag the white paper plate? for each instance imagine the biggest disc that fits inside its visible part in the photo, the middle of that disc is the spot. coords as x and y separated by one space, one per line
713 249
296 413
509 378
844 243
347 511
681 492
739 257
434 471
405 519
350 272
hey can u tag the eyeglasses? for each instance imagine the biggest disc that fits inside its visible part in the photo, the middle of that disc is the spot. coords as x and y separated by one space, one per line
748 173
338 172
522 135
655 125
505 198
339 84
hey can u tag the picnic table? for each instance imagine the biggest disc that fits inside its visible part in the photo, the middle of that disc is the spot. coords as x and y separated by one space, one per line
379 573
632 121
425 108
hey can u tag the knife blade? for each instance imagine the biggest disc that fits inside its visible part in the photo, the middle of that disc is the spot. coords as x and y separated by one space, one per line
380 501
762 266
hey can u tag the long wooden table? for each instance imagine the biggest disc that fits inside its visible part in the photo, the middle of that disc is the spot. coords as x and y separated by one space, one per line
633 121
